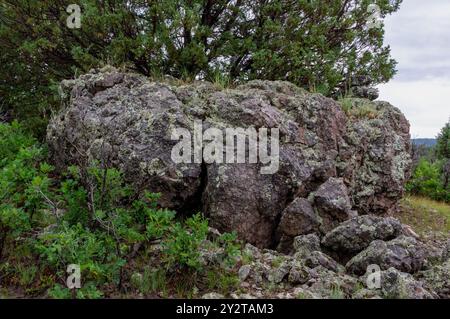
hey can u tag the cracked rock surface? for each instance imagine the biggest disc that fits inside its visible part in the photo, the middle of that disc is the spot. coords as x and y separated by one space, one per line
339 167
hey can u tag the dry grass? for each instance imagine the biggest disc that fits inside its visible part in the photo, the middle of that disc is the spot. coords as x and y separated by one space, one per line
358 108
425 215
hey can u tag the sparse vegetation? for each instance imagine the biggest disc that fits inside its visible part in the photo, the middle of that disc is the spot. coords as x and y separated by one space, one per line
431 173
425 215
358 108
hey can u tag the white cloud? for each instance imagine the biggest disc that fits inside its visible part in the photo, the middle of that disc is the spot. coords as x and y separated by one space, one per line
426 104
419 36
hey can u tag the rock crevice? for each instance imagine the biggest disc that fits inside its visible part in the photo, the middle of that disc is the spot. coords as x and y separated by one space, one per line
342 166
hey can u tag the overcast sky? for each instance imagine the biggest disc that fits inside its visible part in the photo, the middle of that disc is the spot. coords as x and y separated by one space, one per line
419 36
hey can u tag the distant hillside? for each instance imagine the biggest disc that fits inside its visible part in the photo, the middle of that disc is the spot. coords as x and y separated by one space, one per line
424 141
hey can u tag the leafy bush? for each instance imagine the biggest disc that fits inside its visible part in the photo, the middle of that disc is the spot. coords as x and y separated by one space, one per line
87 216
427 181
182 246
23 182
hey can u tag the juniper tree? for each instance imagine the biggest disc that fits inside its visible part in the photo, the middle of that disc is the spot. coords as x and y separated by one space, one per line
316 44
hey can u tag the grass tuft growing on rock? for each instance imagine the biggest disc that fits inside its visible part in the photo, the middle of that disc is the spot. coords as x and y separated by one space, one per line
358 108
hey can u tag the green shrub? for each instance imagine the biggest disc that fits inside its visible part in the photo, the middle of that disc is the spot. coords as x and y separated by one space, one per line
24 184
88 216
182 246
427 181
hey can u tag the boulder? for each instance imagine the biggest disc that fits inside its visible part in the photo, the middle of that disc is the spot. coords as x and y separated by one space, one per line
356 234
318 258
299 273
306 243
333 204
298 218
437 279
399 285
127 121
366 92
403 253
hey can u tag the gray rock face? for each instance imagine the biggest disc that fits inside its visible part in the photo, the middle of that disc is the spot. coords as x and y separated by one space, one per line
298 218
126 121
333 203
438 279
366 92
399 285
403 253
318 258
357 233
306 243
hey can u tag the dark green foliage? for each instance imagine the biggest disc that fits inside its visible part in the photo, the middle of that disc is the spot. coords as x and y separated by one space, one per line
427 181
23 183
443 142
315 44
431 175
182 247
87 216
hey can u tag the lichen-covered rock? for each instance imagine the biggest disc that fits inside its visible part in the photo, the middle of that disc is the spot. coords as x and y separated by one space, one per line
318 258
374 157
366 92
437 279
298 218
333 204
328 284
299 273
213 295
403 253
277 274
399 285
244 272
356 234
125 120
364 293
306 243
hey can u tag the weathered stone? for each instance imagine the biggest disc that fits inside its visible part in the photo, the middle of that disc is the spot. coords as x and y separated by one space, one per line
297 219
403 253
399 285
306 243
276 275
437 279
366 92
329 284
127 121
243 272
356 234
318 258
213 295
299 273
333 204
374 158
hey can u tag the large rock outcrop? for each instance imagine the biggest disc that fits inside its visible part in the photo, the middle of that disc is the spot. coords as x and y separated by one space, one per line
341 166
